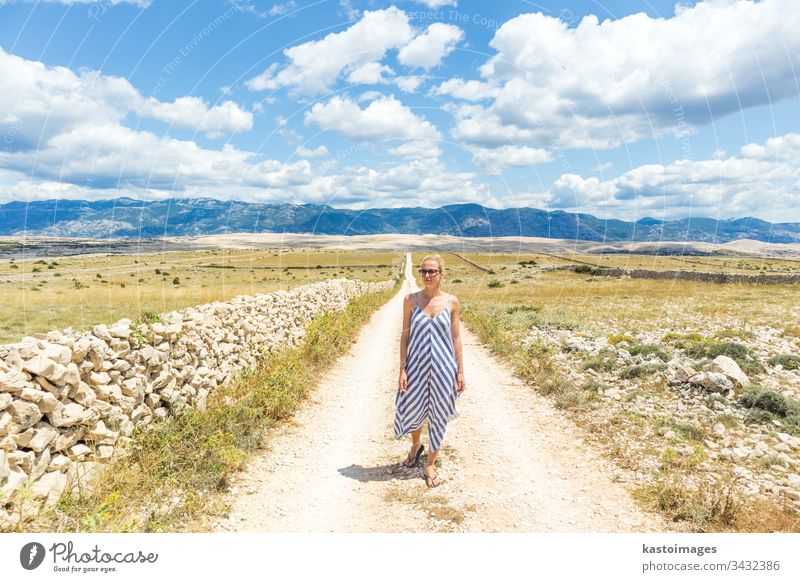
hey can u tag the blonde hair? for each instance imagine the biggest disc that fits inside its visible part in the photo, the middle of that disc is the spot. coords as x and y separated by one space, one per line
439 260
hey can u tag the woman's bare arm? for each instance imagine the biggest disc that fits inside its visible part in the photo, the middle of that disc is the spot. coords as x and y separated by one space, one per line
455 330
407 309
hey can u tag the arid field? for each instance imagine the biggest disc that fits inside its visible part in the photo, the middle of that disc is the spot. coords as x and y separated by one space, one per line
44 293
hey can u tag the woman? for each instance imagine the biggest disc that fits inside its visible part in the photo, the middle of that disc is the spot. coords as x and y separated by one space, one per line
431 367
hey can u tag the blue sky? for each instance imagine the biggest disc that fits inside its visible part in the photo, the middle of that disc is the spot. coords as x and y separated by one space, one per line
626 109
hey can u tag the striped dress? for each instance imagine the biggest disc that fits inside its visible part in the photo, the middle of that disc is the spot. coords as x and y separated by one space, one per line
431 370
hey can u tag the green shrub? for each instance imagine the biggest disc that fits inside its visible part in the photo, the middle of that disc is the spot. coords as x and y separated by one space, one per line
494 284
741 354
641 370
649 349
604 361
788 361
755 396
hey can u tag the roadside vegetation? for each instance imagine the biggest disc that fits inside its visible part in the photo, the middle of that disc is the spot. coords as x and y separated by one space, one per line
529 310
172 475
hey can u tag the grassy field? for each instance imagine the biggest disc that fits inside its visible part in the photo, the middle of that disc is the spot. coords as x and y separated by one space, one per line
82 291
579 301
639 427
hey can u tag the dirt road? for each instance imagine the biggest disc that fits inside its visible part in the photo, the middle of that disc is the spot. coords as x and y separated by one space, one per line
510 463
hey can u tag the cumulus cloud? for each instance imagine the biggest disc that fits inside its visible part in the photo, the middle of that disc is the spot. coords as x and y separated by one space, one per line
38 102
384 118
417 150
471 90
437 3
111 155
316 65
494 160
428 49
304 152
600 84
761 180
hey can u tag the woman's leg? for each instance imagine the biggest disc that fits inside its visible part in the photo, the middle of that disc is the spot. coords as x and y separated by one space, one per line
415 445
431 477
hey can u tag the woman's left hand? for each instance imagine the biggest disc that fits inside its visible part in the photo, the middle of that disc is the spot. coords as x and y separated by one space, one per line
462 385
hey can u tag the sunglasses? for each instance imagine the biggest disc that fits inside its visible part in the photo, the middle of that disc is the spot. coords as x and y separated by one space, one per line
427 272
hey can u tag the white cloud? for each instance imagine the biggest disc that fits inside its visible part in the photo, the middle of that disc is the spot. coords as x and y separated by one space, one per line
304 152
369 74
762 180
38 102
408 84
417 150
468 90
385 118
602 167
107 156
316 65
600 84
437 3
494 160
192 112
428 49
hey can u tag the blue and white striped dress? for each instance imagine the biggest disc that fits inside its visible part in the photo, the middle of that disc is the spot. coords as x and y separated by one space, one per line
431 371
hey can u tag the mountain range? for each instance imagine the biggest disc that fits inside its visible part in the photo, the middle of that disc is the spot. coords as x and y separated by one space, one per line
129 218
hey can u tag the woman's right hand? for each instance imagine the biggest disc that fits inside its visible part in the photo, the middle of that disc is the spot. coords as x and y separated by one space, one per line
403 381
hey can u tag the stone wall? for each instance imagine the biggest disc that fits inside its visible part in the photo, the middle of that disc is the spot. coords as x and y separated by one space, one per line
67 400
774 279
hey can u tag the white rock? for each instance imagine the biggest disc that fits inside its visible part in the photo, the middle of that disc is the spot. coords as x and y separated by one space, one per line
14 481
101 331
66 415
24 414
711 381
58 353
13 381
59 463
40 366
50 487
48 403
77 452
5 400
728 367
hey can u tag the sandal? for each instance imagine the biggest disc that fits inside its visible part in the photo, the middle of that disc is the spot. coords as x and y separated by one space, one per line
408 462
432 481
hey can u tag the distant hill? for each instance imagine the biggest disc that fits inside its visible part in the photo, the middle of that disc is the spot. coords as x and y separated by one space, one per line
129 218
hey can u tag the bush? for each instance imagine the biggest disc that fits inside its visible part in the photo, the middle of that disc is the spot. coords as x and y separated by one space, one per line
737 352
494 284
640 370
788 361
649 349
755 396
604 361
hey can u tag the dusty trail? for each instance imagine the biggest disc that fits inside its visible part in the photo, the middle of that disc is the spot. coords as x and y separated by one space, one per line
510 463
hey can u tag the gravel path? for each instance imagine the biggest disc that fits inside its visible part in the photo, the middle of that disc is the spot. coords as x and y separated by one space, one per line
511 462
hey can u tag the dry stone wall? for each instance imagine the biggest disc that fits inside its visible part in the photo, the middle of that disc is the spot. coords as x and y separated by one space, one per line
68 400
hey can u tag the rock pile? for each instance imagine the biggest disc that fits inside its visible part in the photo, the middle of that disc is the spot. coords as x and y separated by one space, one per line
692 406
68 400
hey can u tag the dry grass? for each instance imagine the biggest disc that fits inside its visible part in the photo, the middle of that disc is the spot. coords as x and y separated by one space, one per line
176 469
525 296
575 301
82 291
